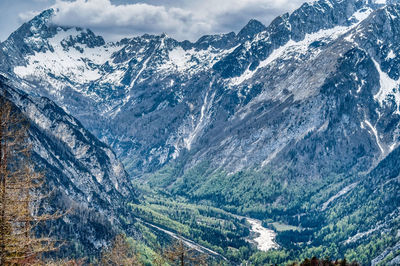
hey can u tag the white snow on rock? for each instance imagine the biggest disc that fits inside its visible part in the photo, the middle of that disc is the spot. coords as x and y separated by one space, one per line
70 64
292 48
388 88
192 60
302 47
376 134
180 58
205 115
391 55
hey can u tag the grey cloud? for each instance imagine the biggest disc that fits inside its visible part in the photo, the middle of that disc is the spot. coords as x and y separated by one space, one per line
118 19
15 12
181 19
188 19
25 16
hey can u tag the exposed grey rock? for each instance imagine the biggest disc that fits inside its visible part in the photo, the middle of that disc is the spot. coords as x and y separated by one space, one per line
84 176
309 90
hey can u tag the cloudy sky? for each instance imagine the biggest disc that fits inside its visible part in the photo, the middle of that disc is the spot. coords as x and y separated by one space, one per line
113 19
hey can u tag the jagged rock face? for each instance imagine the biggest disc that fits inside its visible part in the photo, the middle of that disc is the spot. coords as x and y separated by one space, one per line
317 89
251 29
87 180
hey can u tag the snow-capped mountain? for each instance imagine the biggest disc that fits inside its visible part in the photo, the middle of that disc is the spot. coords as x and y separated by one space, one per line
83 176
252 97
94 81
315 94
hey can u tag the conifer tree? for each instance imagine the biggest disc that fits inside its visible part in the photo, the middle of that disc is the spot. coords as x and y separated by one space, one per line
120 253
181 255
18 197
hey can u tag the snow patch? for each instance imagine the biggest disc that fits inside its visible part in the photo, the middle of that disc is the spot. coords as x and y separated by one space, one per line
192 60
362 14
391 55
299 48
204 116
302 47
144 66
393 146
388 87
179 58
68 63
359 16
375 132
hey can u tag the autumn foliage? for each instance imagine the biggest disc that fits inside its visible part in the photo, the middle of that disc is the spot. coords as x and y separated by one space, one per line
19 184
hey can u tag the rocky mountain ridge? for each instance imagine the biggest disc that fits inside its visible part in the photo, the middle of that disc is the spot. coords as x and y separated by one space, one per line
84 178
316 87
314 97
137 79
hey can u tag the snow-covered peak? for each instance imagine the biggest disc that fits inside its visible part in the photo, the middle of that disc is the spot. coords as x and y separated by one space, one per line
134 82
385 2
43 18
73 58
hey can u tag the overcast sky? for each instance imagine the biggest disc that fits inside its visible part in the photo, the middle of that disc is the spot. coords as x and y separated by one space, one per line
113 19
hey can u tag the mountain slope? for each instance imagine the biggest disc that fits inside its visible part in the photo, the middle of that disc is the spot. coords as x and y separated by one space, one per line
83 175
160 98
275 122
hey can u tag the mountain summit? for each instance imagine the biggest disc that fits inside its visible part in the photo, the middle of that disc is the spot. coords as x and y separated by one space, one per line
251 29
118 90
261 121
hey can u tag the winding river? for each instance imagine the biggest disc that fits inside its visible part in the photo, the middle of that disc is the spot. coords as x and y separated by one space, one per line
263 237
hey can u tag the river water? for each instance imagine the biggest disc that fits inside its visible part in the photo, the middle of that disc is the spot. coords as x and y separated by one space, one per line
265 238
